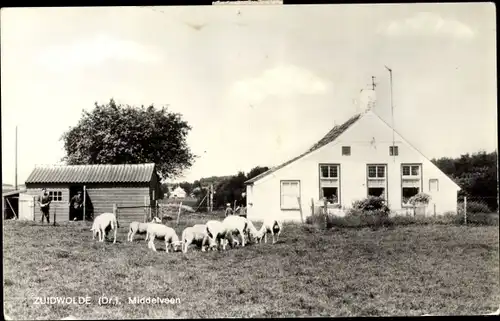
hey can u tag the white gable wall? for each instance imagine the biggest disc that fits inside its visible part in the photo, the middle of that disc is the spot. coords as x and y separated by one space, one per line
264 197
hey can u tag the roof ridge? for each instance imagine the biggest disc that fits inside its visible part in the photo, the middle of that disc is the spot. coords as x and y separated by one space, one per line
332 134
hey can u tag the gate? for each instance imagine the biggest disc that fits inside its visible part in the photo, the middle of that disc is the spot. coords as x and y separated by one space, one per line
26 207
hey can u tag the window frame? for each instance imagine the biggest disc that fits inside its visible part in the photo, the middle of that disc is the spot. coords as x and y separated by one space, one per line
347 148
281 194
419 177
392 149
338 179
58 194
411 166
385 179
437 184
329 165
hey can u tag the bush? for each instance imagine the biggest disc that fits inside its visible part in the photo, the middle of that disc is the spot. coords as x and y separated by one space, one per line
490 219
420 198
474 207
370 205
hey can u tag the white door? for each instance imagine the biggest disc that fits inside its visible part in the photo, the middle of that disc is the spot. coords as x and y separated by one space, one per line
26 204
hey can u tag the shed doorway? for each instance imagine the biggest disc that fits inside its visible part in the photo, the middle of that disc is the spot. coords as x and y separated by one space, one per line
80 205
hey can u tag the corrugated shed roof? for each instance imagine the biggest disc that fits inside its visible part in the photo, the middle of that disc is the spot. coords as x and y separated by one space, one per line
328 138
79 174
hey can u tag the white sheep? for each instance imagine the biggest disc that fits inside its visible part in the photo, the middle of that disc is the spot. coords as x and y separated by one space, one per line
139 228
238 224
216 233
196 233
101 223
160 231
270 225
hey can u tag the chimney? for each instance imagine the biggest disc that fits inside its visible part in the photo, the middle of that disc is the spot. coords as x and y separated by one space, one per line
367 100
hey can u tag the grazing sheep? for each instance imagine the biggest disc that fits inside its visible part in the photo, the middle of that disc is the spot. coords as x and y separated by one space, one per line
196 233
102 223
139 228
216 233
161 231
237 224
270 225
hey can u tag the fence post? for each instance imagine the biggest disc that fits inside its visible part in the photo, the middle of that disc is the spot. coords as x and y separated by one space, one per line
84 201
465 210
145 209
115 211
312 206
54 223
34 206
179 213
434 209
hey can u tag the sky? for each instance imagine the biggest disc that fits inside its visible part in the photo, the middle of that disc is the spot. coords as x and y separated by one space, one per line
258 84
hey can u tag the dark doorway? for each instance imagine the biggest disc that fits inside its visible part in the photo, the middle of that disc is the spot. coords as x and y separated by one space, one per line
76 207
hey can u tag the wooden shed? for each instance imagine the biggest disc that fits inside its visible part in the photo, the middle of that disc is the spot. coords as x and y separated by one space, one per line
131 186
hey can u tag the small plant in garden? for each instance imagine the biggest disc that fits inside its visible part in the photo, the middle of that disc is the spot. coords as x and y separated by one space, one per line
420 198
370 205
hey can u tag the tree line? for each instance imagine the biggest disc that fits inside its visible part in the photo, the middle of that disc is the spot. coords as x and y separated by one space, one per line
475 173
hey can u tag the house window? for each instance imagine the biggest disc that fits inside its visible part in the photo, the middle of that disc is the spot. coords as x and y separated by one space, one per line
55 196
331 194
290 191
346 150
393 150
411 181
329 183
329 171
411 170
433 185
377 180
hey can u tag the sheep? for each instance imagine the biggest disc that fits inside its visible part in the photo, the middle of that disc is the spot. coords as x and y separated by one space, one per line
102 223
196 233
155 230
139 228
241 225
217 234
270 225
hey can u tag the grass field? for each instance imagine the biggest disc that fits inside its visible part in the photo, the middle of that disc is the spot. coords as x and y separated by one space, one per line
451 270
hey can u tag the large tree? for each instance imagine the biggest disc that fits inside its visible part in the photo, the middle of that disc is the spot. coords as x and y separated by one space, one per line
476 174
117 134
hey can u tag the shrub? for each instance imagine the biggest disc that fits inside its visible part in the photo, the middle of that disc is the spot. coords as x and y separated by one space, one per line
474 207
490 219
372 204
421 198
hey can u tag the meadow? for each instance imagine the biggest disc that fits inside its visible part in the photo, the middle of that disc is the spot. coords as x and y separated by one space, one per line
388 271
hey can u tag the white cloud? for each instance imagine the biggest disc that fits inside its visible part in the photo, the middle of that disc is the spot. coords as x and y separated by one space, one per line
282 81
94 51
427 24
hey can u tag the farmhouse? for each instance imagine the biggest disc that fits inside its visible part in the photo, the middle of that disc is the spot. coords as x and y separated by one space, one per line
352 161
178 192
126 185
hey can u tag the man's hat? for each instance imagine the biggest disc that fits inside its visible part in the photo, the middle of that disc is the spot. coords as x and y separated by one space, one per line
79 192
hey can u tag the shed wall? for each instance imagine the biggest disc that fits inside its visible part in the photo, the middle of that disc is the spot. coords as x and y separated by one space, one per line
61 208
103 199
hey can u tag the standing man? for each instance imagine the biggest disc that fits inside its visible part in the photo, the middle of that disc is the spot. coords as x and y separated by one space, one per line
229 210
242 205
44 202
77 204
